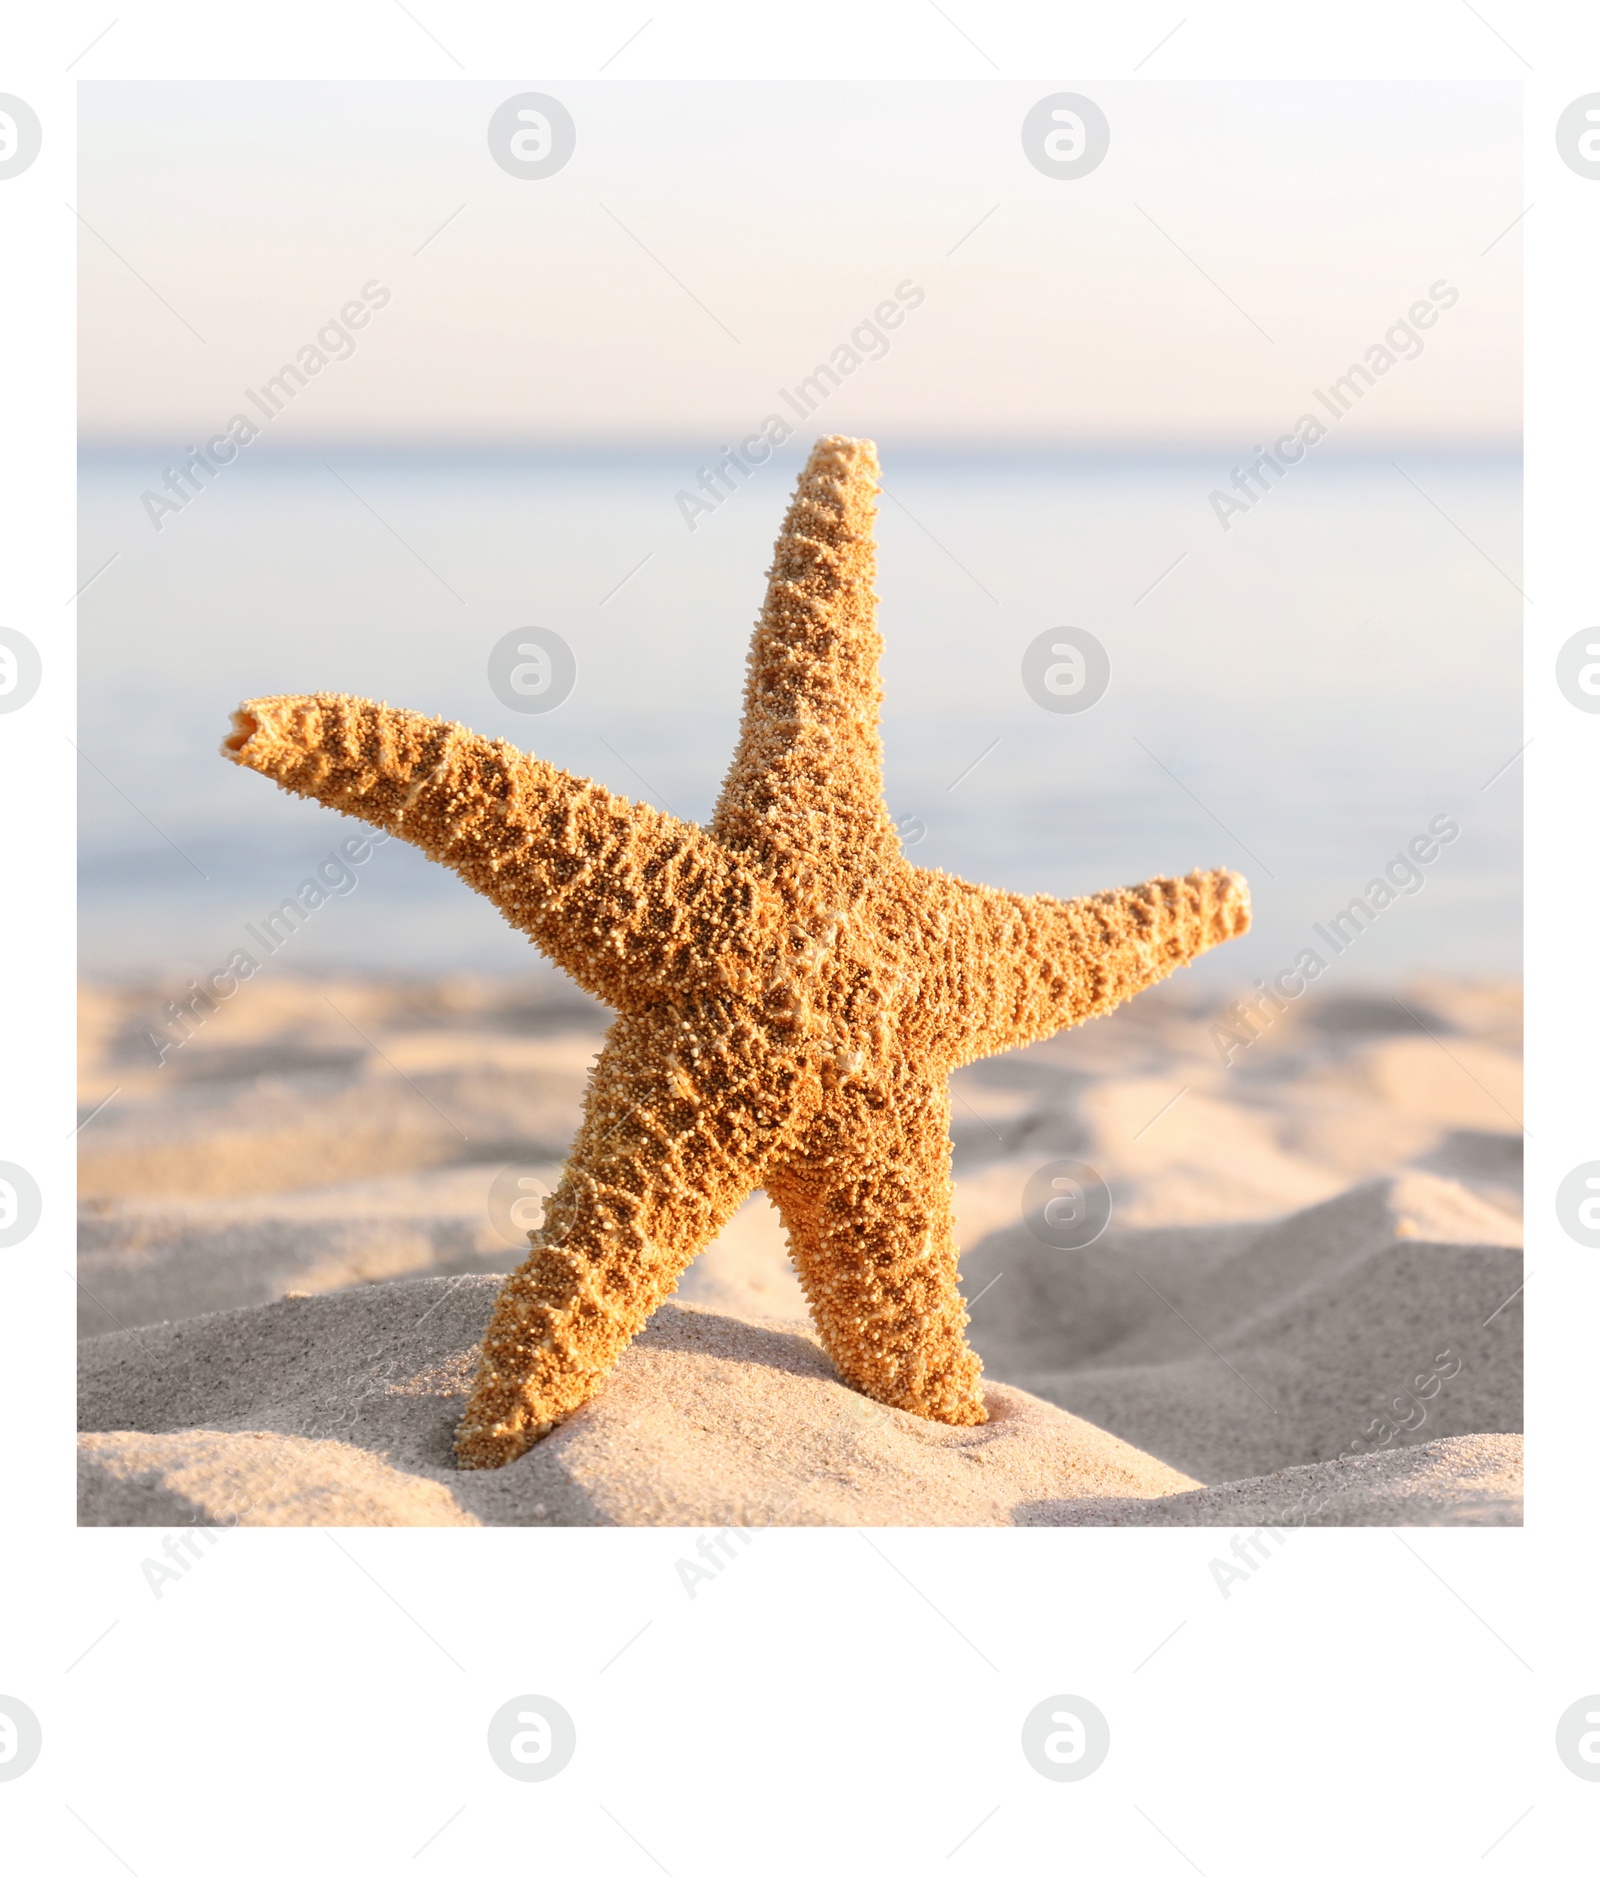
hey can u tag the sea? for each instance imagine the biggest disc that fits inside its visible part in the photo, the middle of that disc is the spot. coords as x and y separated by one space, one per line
1311 687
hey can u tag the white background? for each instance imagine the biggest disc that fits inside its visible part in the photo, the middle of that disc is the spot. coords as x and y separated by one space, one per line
317 1702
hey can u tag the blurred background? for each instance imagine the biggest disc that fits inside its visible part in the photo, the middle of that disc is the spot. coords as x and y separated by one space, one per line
502 444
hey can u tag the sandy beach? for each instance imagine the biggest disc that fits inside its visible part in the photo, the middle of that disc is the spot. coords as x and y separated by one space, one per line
1305 1309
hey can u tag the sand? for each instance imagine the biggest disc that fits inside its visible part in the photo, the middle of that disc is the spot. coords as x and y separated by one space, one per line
1300 1241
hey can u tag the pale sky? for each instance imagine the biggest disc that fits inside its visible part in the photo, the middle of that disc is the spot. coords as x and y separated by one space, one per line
710 243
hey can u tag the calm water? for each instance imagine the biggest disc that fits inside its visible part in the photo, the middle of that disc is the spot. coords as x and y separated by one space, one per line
1298 697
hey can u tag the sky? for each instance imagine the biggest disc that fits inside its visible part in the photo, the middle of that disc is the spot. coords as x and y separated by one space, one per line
708 245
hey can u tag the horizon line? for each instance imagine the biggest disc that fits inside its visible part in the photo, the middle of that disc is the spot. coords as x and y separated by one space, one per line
980 444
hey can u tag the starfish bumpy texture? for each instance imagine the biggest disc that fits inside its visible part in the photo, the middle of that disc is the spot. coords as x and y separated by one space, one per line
791 993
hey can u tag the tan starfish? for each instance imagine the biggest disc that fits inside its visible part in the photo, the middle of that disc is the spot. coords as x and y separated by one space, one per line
791 993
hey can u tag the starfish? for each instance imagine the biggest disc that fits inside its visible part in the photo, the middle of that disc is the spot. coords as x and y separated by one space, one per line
791 994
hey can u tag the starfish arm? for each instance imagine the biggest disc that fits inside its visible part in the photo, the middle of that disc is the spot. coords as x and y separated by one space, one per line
635 904
684 1108
1024 967
808 770
868 1204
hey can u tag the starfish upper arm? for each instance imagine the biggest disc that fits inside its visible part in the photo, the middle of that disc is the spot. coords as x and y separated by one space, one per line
809 766
1025 966
633 903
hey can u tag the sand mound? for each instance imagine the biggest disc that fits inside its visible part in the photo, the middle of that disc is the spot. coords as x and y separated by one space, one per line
1386 1315
708 1421
340 1410
1473 1479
